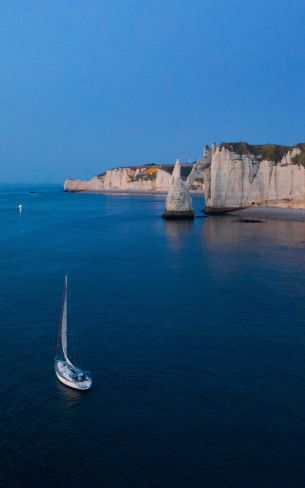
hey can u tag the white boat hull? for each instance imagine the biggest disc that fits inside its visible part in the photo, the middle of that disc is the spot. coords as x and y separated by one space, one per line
63 373
84 385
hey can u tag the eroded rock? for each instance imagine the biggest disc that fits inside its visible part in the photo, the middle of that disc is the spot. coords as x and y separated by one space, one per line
178 202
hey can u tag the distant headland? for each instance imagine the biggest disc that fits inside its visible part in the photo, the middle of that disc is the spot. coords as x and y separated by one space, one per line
145 178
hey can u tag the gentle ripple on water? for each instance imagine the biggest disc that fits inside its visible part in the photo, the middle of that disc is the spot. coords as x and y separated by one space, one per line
194 332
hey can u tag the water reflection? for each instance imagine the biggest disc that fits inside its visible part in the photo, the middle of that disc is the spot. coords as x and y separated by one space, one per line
234 247
177 230
229 232
71 397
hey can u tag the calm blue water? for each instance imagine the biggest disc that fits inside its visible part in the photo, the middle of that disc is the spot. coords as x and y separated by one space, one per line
194 333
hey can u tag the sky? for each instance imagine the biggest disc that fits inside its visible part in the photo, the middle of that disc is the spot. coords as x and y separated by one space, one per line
86 85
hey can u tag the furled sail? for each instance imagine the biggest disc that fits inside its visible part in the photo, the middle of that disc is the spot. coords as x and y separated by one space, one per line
64 321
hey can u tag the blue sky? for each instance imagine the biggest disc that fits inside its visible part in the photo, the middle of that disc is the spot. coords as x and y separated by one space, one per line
90 84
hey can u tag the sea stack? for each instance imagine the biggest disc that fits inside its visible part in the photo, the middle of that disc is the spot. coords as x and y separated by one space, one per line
178 202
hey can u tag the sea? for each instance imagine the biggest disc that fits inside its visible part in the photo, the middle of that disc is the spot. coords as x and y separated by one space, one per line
194 332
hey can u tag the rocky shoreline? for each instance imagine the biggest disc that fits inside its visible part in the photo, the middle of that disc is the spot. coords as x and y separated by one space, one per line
133 192
274 213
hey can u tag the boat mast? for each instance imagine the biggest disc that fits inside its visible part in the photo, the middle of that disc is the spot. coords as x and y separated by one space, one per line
62 330
61 317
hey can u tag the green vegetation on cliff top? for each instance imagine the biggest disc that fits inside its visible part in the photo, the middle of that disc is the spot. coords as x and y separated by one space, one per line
300 158
148 172
272 152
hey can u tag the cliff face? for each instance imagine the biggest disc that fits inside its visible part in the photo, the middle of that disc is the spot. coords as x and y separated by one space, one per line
237 175
135 178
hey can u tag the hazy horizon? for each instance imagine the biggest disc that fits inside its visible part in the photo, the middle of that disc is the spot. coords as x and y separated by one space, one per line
86 86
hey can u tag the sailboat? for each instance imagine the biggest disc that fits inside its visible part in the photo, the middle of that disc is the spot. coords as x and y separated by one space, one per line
66 372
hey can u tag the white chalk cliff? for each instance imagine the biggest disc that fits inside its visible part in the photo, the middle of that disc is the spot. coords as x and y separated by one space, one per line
237 175
149 177
178 201
233 175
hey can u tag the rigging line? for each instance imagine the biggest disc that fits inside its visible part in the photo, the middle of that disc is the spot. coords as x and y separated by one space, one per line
60 322
75 337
